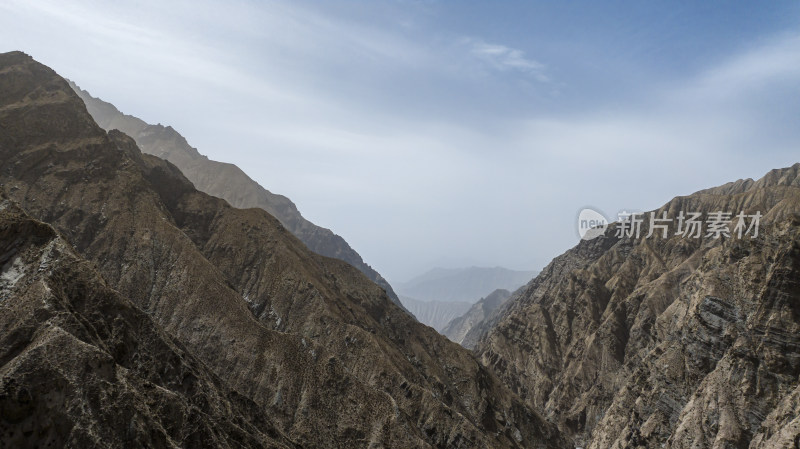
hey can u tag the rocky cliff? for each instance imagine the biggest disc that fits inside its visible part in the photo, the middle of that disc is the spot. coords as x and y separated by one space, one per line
83 367
460 328
673 342
226 181
255 340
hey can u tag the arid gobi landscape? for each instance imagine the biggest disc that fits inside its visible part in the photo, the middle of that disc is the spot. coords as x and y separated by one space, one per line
157 294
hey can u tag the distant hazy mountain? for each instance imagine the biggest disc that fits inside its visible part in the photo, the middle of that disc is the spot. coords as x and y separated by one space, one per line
226 181
459 328
463 284
435 314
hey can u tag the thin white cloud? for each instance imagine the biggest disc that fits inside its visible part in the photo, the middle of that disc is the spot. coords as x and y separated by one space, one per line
776 61
503 58
82 17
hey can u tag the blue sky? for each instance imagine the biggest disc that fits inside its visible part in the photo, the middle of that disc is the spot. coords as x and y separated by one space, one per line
447 133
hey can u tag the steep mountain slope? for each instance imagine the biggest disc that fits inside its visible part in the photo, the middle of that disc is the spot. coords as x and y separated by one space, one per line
314 344
489 320
463 284
459 328
82 367
226 181
673 342
435 314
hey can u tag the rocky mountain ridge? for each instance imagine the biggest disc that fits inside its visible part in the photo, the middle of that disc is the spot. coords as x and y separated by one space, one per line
465 329
315 353
83 367
435 314
137 311
226 181
673 342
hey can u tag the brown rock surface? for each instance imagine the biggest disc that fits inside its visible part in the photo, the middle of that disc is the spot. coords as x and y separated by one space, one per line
462 328
83 367
316 346
676 342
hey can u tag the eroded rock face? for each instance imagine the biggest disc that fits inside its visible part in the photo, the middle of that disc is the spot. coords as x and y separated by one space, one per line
83 367
227 181
463 327
676 342
309 341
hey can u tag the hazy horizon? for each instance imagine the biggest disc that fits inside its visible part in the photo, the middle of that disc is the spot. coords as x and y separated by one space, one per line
446 134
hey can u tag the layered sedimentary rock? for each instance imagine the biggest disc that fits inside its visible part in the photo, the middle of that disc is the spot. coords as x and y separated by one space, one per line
83 367
306 349
226 181
461 328
673 342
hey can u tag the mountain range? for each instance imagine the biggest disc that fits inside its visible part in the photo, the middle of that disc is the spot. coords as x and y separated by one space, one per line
138 311
226 181
675 341
442 295
462 284
466 328
435 314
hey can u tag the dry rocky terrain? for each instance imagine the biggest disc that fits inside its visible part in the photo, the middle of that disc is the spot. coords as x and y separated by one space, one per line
248 337
673 342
